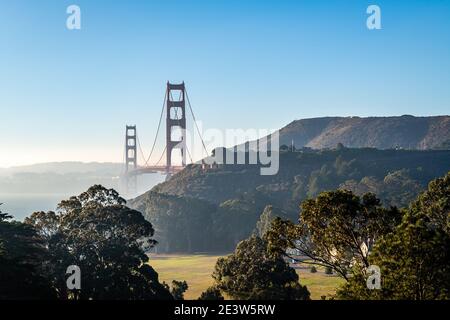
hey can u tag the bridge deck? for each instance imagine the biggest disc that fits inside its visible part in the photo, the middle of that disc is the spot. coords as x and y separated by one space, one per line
155 169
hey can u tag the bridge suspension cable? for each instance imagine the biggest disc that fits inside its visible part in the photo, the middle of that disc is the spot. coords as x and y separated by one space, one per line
157 130
140 148
195 122
162 156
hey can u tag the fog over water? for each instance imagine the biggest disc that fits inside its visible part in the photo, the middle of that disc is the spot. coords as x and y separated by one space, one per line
24 190
22 205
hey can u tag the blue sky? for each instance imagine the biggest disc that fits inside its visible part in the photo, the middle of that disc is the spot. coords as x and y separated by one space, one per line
67 95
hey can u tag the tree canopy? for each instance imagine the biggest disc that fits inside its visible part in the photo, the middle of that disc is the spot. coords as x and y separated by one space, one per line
212 210
414 259
411 247
336 230
252 273
97 232
22 276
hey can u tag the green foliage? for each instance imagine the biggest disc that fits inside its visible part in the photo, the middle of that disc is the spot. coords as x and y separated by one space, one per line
178 289
22 271
251 273
107 240
192 225
236 220
415 261
211 210
182 224
336 230
265 221
435 204
328 270
414 258
212 293
398 188
313 269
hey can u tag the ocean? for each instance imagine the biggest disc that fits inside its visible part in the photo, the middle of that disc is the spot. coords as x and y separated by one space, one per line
22 205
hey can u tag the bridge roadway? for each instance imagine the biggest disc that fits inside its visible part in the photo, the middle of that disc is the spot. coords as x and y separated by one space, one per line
155 169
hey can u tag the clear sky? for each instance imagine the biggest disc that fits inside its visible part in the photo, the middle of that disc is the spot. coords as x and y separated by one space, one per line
67 95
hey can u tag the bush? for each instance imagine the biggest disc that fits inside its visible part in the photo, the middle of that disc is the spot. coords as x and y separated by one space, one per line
178 289
328 270
313 269
211 293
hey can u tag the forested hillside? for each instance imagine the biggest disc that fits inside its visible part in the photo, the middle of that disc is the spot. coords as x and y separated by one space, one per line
212 210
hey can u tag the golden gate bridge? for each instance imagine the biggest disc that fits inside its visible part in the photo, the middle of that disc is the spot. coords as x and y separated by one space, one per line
174 106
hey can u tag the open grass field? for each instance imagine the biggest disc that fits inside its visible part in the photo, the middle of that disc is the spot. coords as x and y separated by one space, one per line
319 284
197 269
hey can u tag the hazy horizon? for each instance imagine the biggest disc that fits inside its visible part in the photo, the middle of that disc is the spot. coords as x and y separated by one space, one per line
60 162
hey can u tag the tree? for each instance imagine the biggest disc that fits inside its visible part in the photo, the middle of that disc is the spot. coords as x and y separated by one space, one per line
252 273
97 232
414 258
400 188
266 218
414 264
336 230
229 216
182 224
435 204
397 188
235 219
22 256
212 293
178 289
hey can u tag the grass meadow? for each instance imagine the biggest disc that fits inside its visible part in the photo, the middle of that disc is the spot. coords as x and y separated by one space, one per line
197 269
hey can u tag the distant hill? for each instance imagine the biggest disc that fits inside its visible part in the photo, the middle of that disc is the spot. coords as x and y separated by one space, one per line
68 178
406 132
67 167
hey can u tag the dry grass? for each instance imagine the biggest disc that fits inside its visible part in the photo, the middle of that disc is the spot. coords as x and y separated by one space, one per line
194 269
319 284
197 269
